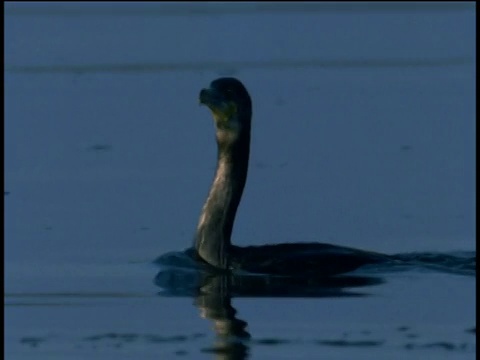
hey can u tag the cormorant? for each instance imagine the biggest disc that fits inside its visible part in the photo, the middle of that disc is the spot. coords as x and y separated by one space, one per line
231 106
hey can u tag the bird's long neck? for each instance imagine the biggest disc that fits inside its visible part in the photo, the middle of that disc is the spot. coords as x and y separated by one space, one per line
212 239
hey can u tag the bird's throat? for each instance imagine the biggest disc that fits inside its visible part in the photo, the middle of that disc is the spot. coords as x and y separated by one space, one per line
214 230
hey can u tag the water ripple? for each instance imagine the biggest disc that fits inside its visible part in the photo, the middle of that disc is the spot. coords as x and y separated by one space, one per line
373 63
209 9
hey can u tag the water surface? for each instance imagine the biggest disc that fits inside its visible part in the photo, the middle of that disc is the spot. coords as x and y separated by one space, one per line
364 122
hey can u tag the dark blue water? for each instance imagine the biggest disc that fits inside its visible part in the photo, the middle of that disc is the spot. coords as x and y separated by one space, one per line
363 136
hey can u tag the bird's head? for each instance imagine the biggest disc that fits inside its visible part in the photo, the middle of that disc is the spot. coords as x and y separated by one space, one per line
231 108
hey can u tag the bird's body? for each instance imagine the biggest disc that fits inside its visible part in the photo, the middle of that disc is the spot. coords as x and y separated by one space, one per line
231 107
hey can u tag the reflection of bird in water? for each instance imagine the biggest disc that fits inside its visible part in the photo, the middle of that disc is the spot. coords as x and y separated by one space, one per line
213 293
215 305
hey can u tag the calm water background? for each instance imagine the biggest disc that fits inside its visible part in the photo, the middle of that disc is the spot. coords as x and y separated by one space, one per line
364 123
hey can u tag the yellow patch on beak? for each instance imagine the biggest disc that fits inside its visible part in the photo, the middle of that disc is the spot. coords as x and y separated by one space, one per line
225 113
231 109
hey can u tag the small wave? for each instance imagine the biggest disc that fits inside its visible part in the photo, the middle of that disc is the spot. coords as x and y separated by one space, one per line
182 275
229 66
206 9
460 262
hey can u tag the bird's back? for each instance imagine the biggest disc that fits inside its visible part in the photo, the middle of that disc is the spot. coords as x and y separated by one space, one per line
293 259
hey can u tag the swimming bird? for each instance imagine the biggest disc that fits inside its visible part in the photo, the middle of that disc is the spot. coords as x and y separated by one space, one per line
231 107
